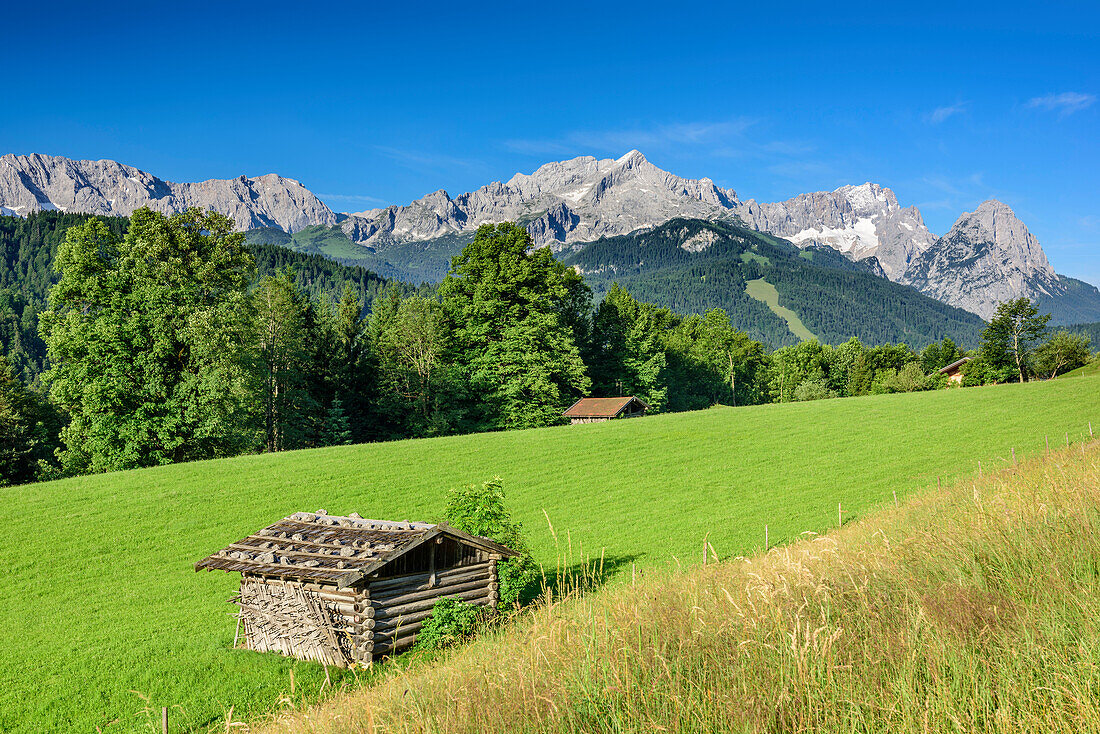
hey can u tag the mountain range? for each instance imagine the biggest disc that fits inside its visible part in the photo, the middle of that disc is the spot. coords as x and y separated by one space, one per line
987 257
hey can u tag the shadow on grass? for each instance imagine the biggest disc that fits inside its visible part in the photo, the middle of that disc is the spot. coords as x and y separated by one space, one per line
575 578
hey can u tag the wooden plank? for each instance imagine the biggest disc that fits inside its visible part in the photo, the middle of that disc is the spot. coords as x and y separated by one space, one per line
480 594
383 625
360 555
481 581
394 645
388 582
421 581
402 629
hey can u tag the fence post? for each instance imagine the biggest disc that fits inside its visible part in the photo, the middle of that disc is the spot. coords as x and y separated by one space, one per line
895 498
1048 444
1013 456
164 720
839 516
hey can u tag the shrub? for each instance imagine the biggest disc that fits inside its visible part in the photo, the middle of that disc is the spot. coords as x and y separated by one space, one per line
909 378
813 389
480 510
453 621
980 371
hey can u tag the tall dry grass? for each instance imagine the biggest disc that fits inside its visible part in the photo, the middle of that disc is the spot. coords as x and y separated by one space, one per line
976 608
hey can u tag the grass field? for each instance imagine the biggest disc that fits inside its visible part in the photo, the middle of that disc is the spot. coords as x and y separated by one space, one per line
1090 369
762 290
101 607
975 608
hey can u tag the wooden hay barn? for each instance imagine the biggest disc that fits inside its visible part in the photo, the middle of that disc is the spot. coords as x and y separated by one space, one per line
954 371
344 590
597 410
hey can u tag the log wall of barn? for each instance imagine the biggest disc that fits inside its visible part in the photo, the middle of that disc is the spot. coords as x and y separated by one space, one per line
305 620
339 627
401 604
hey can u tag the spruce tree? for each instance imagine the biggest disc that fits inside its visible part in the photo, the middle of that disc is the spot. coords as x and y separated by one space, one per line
336 430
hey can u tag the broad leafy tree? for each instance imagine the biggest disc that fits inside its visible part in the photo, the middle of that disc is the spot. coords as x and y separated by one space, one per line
1010 337
418 387
938 355
514 313
1061 353
283 363
145 335
627 354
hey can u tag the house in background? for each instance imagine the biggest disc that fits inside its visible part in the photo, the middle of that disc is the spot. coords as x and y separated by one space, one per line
954 371
597 410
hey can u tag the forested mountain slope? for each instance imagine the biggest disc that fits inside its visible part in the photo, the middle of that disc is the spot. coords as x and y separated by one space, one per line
28 246
1091 330
693 265
422 261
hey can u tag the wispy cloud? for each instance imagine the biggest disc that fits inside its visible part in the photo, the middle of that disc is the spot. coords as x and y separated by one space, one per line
741 138
938 115
424 160
711 135
801 169
955 194
1065 103
957 186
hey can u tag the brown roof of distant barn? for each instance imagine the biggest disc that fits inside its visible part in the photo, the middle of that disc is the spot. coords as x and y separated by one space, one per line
953 366
601 407
320 547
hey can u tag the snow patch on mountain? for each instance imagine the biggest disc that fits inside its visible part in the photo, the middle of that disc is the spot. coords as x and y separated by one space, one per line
861 221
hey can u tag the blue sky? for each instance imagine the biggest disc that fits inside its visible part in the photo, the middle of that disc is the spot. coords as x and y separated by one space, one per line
385 103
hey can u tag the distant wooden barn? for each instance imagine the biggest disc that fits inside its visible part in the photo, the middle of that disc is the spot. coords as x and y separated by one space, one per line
595 410
954 371
343 590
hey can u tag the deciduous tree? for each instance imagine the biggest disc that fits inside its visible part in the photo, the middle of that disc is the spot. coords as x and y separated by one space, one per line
145 338
1012 333
513 315
1062 352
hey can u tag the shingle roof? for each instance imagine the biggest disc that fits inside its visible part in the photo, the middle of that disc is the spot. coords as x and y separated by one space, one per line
953 365
317 546
601 407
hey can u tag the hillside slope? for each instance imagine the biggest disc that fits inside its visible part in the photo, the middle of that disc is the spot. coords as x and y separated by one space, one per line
106 560
692 265
969 609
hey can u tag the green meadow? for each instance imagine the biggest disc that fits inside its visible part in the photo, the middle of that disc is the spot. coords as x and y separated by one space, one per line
762 290
1089 370
104 621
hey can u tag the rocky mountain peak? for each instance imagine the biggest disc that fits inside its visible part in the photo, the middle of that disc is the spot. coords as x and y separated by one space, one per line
563 202
988 257
32 183
861 221
632 158
869 198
